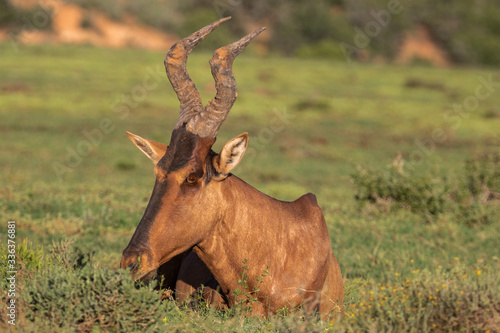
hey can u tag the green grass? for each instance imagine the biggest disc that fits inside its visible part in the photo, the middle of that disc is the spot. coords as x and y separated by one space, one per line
344 118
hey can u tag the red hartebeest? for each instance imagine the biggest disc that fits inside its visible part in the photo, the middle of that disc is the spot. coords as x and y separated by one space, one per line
198 205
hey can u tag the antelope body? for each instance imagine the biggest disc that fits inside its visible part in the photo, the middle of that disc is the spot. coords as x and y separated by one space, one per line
199 210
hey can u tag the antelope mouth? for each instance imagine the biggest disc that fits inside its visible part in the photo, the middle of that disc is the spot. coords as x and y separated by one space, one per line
139 275
148 276
144 277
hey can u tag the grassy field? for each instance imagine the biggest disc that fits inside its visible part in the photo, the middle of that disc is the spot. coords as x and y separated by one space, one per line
75 184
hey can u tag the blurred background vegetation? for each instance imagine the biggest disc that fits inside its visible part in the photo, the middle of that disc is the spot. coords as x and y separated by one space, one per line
414 222
466 32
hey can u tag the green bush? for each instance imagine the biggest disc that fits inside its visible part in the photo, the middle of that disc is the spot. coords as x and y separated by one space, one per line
459 299
299 24
74 295
475 212
68 291
28 258
472 198
421 194
7 13
483 175
88 296
18 19
479 193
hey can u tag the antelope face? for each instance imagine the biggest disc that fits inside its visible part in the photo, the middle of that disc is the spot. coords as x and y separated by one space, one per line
184 204
183 207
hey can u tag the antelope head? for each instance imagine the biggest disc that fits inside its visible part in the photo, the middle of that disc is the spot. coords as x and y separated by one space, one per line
190 177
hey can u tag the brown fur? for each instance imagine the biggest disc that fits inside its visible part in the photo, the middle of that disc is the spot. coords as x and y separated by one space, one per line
203 221
227 221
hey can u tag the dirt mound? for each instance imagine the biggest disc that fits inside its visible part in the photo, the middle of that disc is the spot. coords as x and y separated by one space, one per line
75 25
419 44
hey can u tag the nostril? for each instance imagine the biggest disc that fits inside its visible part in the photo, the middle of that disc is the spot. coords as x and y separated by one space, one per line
132 266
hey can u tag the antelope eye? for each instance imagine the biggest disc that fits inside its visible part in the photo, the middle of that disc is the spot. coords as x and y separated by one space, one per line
191 179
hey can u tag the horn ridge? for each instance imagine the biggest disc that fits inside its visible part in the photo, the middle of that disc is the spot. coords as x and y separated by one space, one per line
175 66
208 122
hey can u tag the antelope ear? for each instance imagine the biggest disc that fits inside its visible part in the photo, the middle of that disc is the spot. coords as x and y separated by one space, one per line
230 155
152 149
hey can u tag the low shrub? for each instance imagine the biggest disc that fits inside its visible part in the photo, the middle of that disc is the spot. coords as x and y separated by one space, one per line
28 258
459 299
421 194
472 198
88 297
67 292
483 175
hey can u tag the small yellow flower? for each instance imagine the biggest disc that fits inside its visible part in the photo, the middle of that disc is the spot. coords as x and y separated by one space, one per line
456 258
443 286
411 260
397 274
479 272
165 319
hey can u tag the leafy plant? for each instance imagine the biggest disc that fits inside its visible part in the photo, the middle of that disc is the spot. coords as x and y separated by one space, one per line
483 175
460 299
473 198
421 194
245 295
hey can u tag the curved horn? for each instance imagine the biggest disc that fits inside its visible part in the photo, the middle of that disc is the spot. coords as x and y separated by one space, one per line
207 122
175 65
